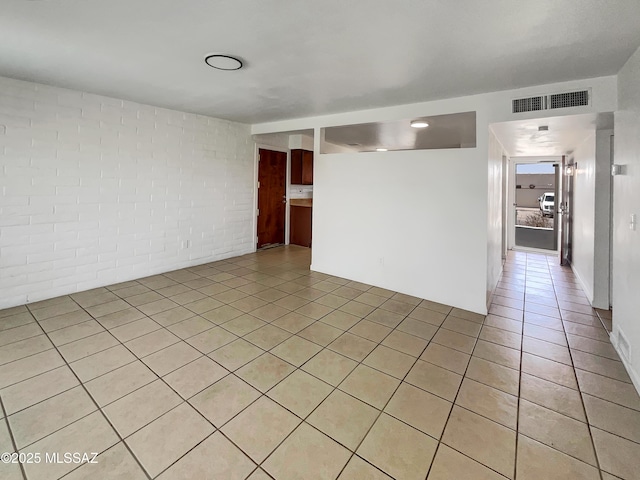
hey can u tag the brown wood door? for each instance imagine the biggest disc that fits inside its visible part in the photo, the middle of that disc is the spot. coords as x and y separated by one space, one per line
300 233
272 171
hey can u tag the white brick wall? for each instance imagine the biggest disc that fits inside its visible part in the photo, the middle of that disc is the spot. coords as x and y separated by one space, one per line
96 190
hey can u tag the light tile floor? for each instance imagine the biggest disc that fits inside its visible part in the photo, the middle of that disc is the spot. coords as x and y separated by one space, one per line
256 368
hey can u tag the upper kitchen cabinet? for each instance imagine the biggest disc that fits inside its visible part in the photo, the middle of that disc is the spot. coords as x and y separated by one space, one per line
301 167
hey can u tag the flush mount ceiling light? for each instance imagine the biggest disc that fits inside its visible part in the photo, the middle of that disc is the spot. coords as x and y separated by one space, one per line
543 128
381 150
223 62
419 124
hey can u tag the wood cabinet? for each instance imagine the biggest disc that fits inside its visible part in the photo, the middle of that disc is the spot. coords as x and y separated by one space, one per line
301 167
300 226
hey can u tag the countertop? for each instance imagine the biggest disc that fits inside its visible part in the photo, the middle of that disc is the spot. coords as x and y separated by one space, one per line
301 202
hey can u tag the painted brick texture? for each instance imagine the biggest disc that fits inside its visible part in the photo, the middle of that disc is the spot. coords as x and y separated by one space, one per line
96 190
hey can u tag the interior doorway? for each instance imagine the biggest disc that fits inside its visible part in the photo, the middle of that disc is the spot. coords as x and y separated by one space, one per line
272 197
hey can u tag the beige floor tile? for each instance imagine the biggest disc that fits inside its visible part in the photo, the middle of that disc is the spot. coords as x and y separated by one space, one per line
22 318
467 315
437 307
211 339
87 346
188 297
260 428
330 367
67 320
452 465
557 431
89 434
420 409
494 375
292 322
151 342
356 308
596 333
314 310
608 389
390 361
75 332
64 306
44 418
457 341
243 325
135 329
307 454
596 347
386 318
600 365
120 382
370 386
140 407
446 357
190 327
551 351
320 333
24 348
235 354
222 314
489 402
116 463
617 455
216 458
195 376
165 440
171 358
418 328
267 337
398 449
32 364
613 418
370 330
543 321
434 379
341 320
347 292
405 343
273 295
370 299
300 393
220 402
428 316
344 418
269 312
352 346
549 370
144 298
396 306
296 350
258 474
485 441
460 325
265 371
20 333
501 337
537 461
499 354
331 300
553 396
172 316
36 389
106 308
546 334
509 325
358 469
102 362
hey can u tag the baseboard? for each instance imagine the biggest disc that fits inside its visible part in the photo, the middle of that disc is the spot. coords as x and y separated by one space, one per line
588 292
635 378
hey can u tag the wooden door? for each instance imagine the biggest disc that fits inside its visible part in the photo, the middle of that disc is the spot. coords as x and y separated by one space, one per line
272 173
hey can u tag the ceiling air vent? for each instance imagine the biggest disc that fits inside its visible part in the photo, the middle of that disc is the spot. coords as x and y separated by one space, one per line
571 99
579 98
530 104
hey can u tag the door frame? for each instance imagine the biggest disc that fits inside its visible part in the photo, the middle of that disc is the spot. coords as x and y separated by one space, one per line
256 167
511 208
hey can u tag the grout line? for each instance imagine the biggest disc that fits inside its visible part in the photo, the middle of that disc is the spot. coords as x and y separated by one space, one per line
13 440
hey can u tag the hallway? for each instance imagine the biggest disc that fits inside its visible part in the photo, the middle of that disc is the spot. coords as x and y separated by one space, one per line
254 367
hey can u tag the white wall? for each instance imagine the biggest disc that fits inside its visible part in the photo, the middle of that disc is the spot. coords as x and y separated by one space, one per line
494 213
97 190
626 201
584 177
396 220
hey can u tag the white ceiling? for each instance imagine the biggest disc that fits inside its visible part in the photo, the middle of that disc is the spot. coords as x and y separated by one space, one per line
456 130
522 137
310 58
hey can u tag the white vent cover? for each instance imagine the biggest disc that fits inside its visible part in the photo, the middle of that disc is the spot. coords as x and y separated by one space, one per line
580 98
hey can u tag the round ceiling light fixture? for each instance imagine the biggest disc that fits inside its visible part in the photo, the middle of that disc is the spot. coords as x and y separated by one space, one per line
419 124
223 62
382 149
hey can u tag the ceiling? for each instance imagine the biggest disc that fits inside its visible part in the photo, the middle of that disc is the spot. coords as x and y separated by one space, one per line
311 58
457 130
523 138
